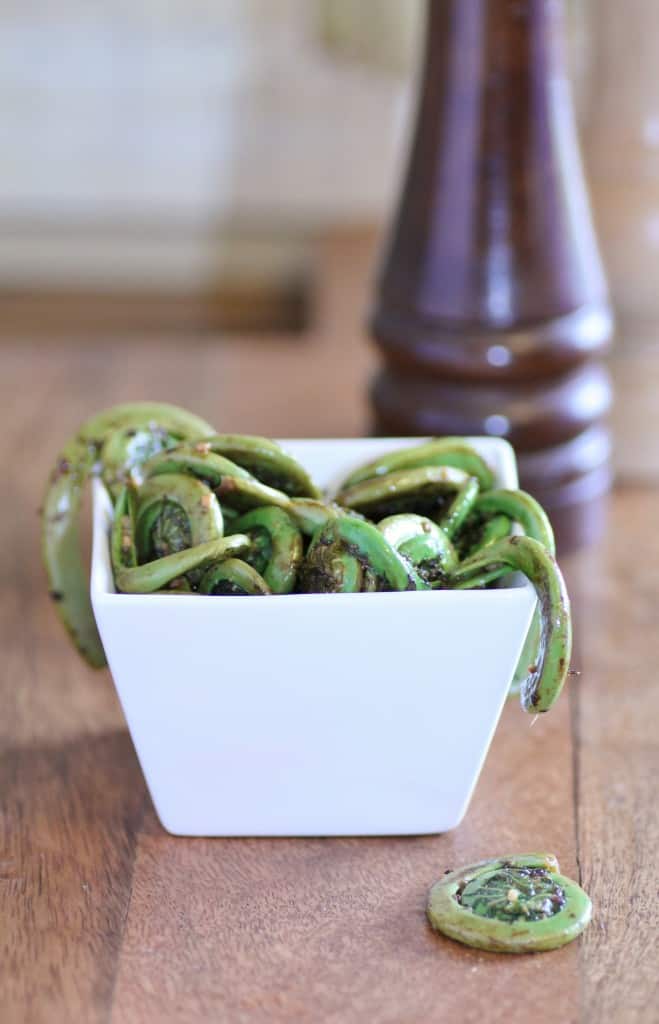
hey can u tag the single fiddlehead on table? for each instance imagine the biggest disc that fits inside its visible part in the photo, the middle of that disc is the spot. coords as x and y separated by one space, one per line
517 904
111 444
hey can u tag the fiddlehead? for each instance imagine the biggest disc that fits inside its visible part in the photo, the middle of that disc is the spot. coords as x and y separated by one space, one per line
519 507
309 514
232 577
492 518
428 490
123 549
444 451
277 550
546 675
478 533
166 532
109 444
234 486
160 573
126 435
348 555
452 520
423 544
267 461
195 460
175 512
512 905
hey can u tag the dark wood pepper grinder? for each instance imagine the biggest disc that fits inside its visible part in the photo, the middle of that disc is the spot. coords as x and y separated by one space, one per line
491 306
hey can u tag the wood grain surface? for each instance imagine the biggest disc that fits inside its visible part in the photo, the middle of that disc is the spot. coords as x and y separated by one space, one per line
106 918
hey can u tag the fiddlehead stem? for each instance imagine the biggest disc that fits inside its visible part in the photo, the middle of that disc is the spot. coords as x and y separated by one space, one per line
494 511
493 529
546 676
445 451
452 520
152 576
233 484
521 508
243 494
196 460
267 461
123 550
309 514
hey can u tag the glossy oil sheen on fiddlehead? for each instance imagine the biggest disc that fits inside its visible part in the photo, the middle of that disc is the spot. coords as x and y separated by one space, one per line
511 894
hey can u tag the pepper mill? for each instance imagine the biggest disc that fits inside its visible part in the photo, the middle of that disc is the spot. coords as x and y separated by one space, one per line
491 308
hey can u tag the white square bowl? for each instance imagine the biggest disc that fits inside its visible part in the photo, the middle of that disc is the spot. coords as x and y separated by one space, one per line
312 714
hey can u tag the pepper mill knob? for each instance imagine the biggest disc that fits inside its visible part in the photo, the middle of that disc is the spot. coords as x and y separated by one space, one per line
492 306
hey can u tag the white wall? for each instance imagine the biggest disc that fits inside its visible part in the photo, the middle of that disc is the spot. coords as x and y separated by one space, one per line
189 111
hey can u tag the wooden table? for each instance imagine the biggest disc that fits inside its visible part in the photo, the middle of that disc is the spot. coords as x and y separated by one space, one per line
104 917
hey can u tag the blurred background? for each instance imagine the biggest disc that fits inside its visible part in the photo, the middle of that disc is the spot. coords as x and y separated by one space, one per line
197 169
187 151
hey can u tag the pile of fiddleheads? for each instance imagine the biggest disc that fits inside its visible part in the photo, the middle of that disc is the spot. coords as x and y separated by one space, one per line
223 514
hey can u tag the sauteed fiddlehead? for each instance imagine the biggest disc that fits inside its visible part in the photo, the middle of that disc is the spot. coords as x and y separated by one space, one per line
111 444
518 904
